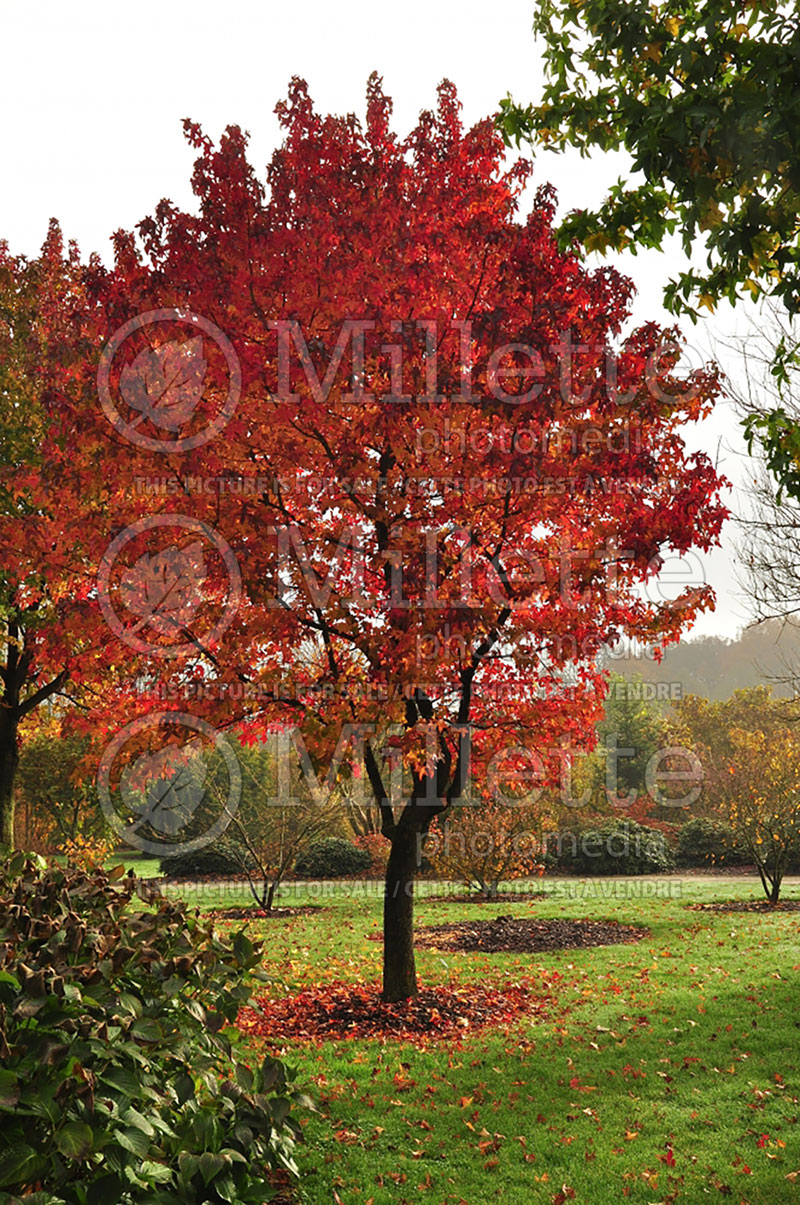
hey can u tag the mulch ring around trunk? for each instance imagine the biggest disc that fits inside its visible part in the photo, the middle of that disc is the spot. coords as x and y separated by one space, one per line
523 935
277 913
346 1011
747 906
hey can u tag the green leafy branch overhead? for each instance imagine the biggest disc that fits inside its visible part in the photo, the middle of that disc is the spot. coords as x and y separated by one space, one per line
705 98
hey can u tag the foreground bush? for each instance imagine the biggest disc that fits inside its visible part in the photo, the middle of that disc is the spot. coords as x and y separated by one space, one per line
615 847
121 1081
331 858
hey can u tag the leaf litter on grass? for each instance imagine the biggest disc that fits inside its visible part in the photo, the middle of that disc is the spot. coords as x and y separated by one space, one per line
338 1011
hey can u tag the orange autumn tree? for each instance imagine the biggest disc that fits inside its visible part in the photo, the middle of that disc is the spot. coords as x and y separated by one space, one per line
56 805
497 841
761 800
447 477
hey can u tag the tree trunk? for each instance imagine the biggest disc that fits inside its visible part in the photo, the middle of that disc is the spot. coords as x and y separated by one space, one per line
771 882
399 968
9 759
9 762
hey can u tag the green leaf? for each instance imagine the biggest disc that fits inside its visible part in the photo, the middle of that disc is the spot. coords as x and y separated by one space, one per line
195 1009
243 947
130 1004
225 1187
19 1164
133 1117
75 1140
184 1087
17 864
9 1089
122 1079
271 1074
146 1029
133 1140
44 1198
211 1165
159 1173
244 1076
188 1164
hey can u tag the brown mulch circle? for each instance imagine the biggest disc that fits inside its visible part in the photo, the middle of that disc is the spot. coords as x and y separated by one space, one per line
747 906
277 913
526 936
474 897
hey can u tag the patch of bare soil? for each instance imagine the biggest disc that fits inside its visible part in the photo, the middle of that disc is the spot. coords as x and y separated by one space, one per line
524 935
747 906
476 897
743 872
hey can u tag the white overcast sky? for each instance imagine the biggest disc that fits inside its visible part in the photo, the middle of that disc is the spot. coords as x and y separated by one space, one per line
92 96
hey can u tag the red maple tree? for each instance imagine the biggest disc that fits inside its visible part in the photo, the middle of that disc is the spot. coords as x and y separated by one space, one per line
52 639
446 479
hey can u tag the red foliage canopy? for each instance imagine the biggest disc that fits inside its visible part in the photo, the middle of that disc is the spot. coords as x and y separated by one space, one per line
420 522
417 477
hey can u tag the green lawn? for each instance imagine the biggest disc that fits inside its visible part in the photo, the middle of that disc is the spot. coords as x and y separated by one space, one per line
145 867
670 1070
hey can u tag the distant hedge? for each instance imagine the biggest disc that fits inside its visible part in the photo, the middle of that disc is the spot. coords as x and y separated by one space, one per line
614 847
223 859
706 842
331 858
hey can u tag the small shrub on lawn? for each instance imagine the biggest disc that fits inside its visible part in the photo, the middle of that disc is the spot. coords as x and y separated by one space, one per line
88 852
332 858
221 860
706 842
120 1078
614 847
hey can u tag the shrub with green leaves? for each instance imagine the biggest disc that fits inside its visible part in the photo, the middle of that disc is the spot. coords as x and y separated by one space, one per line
614 847
122 1078
706 842
222 859
331 858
